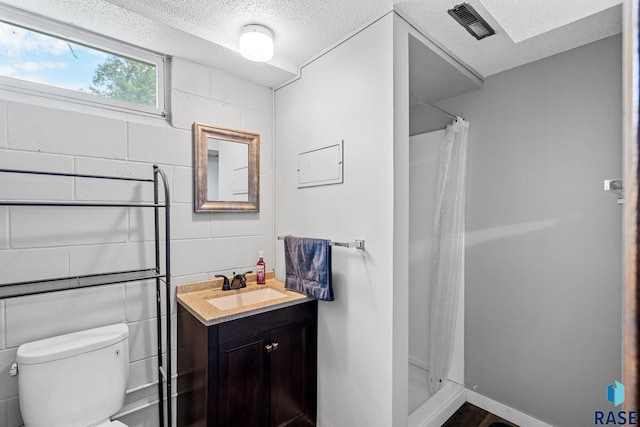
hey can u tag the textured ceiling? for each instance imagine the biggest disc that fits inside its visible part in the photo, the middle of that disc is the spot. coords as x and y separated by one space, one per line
207 31
499 52
552 14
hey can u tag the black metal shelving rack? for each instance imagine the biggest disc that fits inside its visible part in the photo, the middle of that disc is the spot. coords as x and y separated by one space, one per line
34 287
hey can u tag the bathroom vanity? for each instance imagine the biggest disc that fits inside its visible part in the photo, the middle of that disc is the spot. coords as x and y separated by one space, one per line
249 365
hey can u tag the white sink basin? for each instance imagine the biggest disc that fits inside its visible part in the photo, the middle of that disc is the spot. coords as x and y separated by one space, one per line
242 299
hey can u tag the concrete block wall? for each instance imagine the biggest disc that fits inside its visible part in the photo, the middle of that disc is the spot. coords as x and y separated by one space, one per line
36 243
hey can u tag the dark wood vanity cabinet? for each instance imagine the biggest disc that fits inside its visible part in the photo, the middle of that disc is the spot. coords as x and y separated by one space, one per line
256 371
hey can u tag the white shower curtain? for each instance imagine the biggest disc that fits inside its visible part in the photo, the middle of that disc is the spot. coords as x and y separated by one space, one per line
448 251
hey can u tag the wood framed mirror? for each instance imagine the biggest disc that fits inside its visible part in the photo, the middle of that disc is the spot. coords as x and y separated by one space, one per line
226 170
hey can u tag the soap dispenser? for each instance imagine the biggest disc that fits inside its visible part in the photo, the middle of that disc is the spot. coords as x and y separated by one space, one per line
260 270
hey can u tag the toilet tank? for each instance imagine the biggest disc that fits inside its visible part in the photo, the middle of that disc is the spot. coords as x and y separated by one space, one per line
74 380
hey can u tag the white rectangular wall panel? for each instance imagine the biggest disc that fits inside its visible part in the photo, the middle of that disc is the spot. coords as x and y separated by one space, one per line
320 166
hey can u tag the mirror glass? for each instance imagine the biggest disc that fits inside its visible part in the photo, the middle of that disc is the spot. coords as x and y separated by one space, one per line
226 172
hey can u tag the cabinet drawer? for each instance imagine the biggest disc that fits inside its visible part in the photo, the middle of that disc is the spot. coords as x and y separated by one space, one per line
263 322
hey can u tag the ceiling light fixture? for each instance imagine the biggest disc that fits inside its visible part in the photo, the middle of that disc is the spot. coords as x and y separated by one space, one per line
256 43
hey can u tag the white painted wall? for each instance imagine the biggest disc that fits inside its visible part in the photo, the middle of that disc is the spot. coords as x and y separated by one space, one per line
401 130
543 260
41 134
347 94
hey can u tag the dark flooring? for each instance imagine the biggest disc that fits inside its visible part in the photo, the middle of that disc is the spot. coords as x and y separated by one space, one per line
471 416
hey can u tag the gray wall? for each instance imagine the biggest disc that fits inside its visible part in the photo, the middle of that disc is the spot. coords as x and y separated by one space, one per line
543 261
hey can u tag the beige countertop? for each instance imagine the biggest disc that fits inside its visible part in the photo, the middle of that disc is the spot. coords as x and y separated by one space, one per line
193 297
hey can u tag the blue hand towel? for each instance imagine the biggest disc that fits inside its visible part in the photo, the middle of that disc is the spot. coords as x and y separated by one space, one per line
308 267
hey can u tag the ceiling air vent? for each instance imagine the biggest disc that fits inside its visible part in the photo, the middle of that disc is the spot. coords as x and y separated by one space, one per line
471 21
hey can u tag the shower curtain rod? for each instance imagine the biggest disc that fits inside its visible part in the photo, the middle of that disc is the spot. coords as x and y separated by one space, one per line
426 104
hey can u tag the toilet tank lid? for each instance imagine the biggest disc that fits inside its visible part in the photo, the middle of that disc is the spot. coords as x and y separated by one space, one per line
72 344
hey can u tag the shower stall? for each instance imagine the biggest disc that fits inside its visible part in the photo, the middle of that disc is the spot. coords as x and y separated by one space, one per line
433 77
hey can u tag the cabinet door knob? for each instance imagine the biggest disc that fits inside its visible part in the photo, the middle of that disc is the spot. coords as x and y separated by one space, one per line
271 347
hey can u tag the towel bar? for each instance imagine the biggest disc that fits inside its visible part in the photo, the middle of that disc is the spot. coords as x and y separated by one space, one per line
358 244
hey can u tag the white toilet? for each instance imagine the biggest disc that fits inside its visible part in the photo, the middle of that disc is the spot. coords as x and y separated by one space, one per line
74 380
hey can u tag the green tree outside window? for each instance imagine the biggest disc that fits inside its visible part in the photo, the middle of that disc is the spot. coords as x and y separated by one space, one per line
125 79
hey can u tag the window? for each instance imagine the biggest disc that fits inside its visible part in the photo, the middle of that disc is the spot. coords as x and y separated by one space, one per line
79 66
